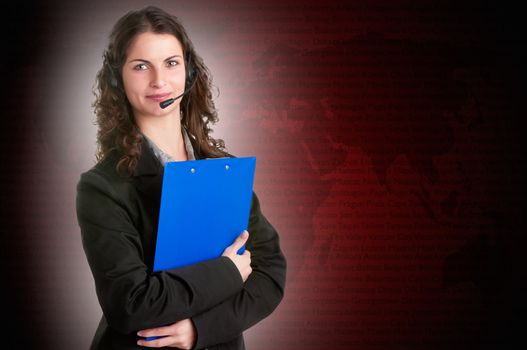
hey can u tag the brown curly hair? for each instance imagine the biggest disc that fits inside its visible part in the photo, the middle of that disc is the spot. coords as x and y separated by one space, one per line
117 128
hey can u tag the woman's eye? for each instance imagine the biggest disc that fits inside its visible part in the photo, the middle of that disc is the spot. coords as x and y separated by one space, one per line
172 63
140 66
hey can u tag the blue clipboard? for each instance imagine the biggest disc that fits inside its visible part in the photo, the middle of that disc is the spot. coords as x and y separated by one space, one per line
205 205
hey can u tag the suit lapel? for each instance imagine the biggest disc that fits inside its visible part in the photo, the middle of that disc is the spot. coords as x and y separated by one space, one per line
148 174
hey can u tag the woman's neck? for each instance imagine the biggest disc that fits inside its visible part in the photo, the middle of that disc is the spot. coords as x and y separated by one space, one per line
165 132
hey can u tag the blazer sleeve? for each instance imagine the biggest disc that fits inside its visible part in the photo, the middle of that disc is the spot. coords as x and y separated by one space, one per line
130 296
262 291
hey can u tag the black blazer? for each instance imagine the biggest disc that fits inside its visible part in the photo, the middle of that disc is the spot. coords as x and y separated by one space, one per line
118 220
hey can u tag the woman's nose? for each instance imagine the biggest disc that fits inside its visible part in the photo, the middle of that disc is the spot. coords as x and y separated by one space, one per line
158 80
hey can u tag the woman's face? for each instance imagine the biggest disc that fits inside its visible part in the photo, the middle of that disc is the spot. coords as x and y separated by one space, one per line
154 71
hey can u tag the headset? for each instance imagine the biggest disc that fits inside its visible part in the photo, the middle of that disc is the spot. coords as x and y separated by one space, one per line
117 83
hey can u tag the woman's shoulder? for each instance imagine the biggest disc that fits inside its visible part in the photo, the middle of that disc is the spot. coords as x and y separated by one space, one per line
104 175
105 166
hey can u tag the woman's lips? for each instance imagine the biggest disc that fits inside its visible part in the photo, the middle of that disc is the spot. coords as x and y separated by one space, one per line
158 97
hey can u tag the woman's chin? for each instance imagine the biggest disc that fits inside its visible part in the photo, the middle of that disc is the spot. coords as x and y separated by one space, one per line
156 110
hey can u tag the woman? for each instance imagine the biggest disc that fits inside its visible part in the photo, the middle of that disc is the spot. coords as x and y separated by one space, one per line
149 60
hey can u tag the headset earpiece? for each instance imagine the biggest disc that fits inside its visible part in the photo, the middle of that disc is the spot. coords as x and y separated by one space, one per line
113 75
190 71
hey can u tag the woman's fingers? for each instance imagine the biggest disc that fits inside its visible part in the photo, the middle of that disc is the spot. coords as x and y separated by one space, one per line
157 332
242 261
157 343
238 243
180 334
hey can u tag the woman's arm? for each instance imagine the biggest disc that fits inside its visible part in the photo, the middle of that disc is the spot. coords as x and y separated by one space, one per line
130 297
261 293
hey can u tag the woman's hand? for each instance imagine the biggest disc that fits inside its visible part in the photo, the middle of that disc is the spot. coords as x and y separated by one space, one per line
243 261
181 334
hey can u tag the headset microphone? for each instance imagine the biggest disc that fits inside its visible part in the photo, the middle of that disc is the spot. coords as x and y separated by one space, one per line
166 103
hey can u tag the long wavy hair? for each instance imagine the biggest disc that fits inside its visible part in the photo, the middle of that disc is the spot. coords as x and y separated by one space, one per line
117 128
